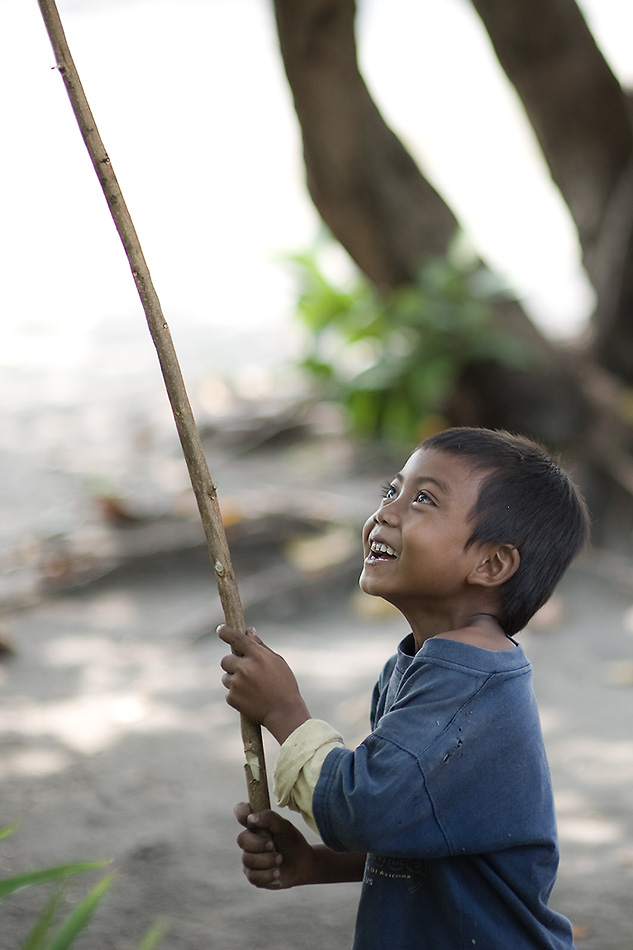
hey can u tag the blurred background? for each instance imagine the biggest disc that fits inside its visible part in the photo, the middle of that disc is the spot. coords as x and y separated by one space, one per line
321 332
197 115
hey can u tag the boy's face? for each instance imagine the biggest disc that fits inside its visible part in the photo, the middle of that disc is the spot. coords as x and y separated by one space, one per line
424 523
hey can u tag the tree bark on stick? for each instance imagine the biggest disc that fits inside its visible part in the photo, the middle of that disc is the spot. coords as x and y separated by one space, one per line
201 481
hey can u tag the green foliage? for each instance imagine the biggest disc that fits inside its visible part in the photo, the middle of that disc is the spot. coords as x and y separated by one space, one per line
12 884
392 358
72 927
153 936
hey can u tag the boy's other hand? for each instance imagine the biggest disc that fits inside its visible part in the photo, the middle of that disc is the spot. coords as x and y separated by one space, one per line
260 684
274 853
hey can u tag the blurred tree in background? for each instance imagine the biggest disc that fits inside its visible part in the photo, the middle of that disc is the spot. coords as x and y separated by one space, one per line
393 356
393 223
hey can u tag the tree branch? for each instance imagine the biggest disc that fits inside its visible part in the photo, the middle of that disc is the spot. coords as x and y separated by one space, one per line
364 183
201 481
613 327
573 102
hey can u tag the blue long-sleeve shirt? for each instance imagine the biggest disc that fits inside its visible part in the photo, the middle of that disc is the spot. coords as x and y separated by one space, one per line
451 797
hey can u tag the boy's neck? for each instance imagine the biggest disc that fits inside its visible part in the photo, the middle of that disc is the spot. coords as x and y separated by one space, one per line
480 630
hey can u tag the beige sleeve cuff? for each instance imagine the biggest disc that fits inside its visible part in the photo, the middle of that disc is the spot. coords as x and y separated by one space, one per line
299 764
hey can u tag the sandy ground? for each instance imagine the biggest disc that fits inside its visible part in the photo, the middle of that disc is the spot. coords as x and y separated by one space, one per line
117 743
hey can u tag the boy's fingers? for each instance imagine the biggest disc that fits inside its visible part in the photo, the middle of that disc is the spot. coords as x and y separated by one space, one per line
256 838
238 640
262 862
235 638
230 663
266 820
252 634
258 852
241 811
267 879
254 843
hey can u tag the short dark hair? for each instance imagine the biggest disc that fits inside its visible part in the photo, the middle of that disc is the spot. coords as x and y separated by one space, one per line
526 500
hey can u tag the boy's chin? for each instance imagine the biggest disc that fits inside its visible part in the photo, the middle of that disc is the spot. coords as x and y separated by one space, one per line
369 586
364 584
379 605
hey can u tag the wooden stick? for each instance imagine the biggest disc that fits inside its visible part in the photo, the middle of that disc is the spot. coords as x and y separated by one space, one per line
201 481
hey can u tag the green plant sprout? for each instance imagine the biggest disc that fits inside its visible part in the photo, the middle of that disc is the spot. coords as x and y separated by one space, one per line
49 933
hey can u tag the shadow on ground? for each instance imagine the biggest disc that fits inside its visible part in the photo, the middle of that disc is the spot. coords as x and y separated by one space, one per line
117 743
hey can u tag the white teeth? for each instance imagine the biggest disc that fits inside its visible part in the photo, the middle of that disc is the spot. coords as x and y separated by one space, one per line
379 548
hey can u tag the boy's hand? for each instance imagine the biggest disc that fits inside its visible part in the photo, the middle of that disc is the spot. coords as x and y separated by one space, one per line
280 859
261 685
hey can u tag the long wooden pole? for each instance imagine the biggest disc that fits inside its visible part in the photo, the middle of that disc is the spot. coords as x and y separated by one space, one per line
202 484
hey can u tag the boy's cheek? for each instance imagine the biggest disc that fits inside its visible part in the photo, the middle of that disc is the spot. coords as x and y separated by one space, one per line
367 527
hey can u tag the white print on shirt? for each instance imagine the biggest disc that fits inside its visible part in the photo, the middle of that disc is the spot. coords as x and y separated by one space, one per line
412 870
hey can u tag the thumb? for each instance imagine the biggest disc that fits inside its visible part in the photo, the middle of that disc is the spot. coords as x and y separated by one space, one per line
239 641
242 812
266 820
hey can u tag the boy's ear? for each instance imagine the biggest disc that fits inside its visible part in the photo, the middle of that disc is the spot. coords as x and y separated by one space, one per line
497 565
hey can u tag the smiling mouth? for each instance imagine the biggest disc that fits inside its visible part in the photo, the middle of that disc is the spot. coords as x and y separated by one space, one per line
381 552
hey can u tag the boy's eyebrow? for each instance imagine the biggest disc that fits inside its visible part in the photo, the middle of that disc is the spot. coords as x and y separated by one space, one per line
443 486
425 479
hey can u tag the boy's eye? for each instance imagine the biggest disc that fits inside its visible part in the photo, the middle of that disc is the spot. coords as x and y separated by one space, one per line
389 491
424 498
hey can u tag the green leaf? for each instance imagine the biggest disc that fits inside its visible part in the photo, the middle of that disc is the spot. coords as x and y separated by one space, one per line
153 935
72 927
35 940
12 884
5 832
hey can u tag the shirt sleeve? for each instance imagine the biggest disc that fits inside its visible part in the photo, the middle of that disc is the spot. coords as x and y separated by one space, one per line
455 766
299 763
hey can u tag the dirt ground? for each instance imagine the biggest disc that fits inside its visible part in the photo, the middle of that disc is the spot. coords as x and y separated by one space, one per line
116 742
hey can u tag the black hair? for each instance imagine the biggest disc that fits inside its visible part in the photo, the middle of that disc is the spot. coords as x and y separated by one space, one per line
525 500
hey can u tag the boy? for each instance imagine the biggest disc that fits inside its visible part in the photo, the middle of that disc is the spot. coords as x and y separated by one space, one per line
445 811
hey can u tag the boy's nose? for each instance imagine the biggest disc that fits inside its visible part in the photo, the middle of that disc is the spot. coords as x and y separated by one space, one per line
387 514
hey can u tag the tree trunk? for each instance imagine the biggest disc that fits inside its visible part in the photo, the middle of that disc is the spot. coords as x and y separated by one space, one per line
390 219
613 280
378 204
364 183
572 99
582 120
